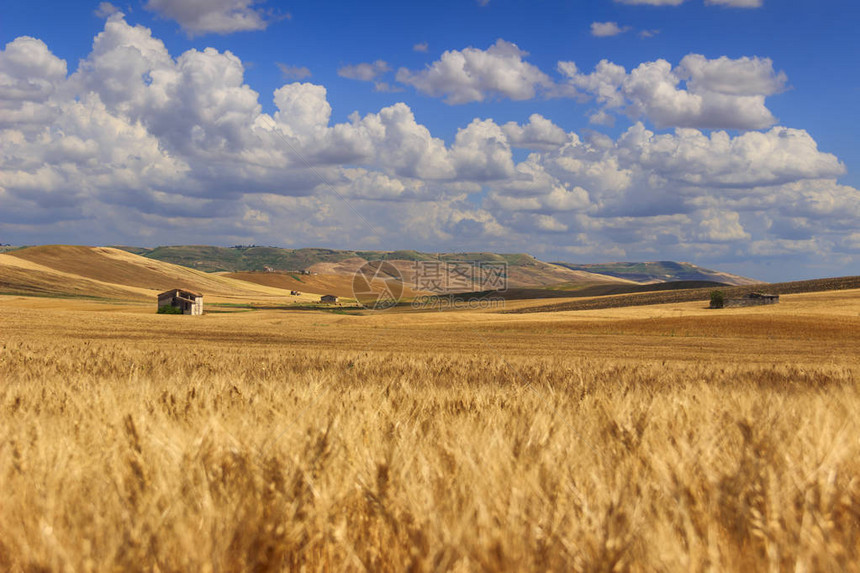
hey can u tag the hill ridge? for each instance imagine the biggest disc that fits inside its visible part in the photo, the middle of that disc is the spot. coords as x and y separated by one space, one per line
251 258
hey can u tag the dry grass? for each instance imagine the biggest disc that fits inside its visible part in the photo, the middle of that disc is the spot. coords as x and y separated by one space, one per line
458 442
65 270
612 296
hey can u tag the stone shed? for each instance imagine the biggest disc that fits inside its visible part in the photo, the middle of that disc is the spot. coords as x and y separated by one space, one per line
186 301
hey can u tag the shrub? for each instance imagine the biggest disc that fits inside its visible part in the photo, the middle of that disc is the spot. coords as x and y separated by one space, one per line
718 299
169 309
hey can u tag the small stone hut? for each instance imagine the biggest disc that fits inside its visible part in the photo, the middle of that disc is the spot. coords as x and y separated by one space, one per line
328 298
189 302
752 299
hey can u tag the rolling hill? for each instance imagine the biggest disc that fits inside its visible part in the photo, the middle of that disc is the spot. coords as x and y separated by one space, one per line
336 284
661 271
103 272
137 273
22 277
255 258
691 292
523 270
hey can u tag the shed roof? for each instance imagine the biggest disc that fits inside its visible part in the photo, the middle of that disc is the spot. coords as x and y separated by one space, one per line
179 292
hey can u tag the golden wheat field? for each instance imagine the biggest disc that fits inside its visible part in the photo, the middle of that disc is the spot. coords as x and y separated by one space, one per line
664 438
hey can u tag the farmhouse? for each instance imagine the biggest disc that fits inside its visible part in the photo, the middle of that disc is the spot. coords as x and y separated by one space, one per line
328 298
752 299
188 302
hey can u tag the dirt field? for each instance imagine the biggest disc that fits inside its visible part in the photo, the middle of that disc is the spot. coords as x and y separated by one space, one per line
667 437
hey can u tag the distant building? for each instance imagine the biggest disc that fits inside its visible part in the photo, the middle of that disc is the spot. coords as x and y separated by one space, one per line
295 293
268 269
752 299
329 298
188 302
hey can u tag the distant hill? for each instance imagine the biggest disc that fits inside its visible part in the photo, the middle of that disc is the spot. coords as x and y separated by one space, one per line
103 272
255 258
136 272
522 270
691 292
660 272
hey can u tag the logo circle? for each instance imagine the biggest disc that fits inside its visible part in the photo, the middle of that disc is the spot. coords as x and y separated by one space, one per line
377 285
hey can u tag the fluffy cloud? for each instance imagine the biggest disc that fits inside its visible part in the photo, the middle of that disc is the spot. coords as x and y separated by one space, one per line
481 152
538 133
105 10
686 192
752 159
139 144
472 75
721 93
293 72
29 76
211 16
720 226
738 77
365 72
302 109
606 29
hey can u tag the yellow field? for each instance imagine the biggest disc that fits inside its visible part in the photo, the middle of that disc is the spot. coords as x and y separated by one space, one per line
668 438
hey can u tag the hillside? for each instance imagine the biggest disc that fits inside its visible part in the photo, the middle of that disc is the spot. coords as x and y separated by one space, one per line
523 271
103 272
136 273
670 296
319 284
254 258
601 290
22 277
660 271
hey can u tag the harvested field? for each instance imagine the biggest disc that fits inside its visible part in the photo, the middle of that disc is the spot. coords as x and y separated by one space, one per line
660 296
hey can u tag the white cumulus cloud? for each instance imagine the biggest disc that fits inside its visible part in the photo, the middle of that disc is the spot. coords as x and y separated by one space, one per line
473 75
138 143
701 93
211 16
538 133
365 72
606 29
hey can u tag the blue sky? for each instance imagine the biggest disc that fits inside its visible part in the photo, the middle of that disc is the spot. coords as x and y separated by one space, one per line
716 131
